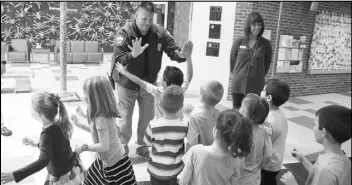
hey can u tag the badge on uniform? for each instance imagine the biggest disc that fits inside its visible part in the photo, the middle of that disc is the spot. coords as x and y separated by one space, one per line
242 47
119 40
159 47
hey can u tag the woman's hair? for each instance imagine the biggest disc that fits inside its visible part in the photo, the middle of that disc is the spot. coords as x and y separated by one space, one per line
255 108
100 98
253 18
49 105
236 132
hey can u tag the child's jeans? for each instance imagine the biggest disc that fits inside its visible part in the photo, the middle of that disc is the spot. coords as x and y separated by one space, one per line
269 178
155 181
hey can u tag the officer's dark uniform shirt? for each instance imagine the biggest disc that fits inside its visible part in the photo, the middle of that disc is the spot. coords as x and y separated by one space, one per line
147 65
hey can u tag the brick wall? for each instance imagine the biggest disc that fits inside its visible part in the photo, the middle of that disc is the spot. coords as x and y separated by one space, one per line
296 20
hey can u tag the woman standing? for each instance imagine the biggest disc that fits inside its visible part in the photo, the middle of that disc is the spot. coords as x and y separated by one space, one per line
250 60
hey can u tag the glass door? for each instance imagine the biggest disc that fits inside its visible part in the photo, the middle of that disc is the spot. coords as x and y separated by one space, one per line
160 13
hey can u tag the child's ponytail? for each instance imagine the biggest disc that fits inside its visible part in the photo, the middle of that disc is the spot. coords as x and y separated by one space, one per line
236 132
241 138
64 121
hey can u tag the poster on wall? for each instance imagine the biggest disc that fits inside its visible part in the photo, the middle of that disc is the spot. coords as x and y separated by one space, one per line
331 44
290 54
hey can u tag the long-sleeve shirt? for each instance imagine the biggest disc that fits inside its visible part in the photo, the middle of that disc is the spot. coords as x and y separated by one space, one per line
147 65
55 153
249 65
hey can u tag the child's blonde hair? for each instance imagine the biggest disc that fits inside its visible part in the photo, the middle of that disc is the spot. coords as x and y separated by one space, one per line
172 99
100 98
212 92
255 108
49 105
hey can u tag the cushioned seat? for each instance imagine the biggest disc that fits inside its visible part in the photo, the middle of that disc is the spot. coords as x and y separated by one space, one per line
95 54
81 52
17 57
18 51
79 58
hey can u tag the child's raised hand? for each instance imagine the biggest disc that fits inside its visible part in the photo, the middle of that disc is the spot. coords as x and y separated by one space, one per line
288 179
28 141
187 109
119 67
187 49
297 154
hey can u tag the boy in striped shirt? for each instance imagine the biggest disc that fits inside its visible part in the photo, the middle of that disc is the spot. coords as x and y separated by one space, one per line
166 136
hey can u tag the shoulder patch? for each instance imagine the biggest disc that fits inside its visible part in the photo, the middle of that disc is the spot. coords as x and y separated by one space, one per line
119 40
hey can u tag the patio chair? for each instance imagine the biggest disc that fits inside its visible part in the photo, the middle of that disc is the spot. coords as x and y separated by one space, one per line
18 51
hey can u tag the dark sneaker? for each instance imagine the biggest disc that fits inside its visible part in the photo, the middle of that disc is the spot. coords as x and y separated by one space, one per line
143 152
5 131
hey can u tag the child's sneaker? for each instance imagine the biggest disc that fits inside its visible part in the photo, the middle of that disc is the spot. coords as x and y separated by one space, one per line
5 131
143 152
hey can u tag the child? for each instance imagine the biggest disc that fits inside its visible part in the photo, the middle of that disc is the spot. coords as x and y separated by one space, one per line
332 128
276 92
201 124
112 165
166 136
63 165
4 131
219 162
172 76
256 109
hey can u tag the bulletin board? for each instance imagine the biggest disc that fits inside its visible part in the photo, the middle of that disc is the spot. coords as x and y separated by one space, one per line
290 54
331 44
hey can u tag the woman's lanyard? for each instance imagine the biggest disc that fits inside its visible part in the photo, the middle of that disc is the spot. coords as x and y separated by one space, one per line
253 53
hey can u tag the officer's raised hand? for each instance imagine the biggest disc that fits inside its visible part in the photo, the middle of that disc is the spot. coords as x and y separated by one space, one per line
136 47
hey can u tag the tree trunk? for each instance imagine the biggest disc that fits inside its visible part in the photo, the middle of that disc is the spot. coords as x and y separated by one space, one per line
63 45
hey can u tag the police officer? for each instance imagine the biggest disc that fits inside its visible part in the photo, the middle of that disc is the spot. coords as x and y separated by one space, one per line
139 47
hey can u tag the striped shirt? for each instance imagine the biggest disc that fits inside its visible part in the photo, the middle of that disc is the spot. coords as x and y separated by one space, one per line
167 140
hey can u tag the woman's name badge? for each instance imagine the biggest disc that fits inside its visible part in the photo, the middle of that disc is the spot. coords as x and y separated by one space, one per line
242 47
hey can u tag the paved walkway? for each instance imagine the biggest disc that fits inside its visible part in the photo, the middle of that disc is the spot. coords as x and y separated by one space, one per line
17 115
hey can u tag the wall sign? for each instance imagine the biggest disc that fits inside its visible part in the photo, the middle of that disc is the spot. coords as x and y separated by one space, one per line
215 13
214 31
212 49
